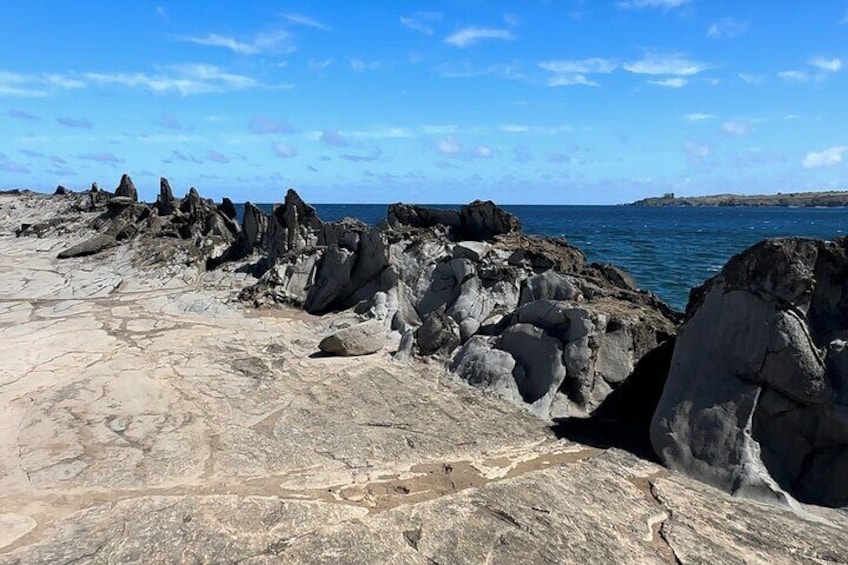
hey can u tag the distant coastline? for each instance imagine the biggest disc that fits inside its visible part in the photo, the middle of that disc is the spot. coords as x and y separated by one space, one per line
785 199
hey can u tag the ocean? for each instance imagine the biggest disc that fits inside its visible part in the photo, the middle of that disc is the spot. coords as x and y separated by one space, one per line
667 250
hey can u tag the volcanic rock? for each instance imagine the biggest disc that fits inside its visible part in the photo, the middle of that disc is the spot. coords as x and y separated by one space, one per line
756 400
126 188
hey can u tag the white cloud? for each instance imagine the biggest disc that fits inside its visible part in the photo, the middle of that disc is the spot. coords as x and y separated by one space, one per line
675 82
283 151
751 78
662 4
358 65
698 117
794 76
675 64
573 72
13 84
316 65
828 65
734 128
449 146
514 128
469 36
581 66
483 152
183 79
262 43
826 158
726 28
303 20
422 22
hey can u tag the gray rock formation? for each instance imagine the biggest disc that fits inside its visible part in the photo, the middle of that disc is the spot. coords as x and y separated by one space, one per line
166 204
567 332
126 188
360 339
757 396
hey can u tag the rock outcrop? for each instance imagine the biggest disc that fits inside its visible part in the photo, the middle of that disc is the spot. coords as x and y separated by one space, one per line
757 396
126 188
168 228
525 317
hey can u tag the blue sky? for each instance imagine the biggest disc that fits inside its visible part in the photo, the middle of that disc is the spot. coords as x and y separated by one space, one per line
548 101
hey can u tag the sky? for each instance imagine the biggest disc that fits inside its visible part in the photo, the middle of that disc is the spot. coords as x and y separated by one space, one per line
522 102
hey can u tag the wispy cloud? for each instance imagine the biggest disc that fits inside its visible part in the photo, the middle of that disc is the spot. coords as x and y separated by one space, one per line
359 66
826 158
656 63
266 125
794 76
449 147
726 28
661 4
422 22
217 157
472 35
573 72
375 155
319 65
81 123
101 157
825 64
673 82
7 165
185 157
698 117
735 128
751 78
169 121
465 69
14 84
21 115
278 41
303 20
283 151
697 151
332 138
186 80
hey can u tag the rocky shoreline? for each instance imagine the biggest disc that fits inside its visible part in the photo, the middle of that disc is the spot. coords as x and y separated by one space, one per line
746 392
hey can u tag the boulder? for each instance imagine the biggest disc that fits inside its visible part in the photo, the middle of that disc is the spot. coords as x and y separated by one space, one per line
126 188
482 220
228 209
62 191
360 339
755 401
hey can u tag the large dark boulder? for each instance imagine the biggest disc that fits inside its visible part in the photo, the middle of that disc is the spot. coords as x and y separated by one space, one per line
166 204
756 402
478 221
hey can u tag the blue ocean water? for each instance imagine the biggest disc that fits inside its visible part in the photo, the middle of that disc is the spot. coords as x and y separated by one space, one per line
667 250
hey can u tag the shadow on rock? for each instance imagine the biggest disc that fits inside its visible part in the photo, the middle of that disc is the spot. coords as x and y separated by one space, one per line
623 420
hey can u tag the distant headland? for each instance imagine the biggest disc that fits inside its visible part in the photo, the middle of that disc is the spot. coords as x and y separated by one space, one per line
806 199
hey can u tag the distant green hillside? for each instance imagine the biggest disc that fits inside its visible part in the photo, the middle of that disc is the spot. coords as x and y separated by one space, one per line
832 198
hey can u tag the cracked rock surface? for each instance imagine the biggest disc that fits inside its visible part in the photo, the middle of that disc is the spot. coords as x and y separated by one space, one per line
148 417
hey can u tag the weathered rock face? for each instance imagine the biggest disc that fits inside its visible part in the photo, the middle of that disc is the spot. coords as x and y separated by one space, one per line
126 188
560 334
479 220
168 228
757 397
166 204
